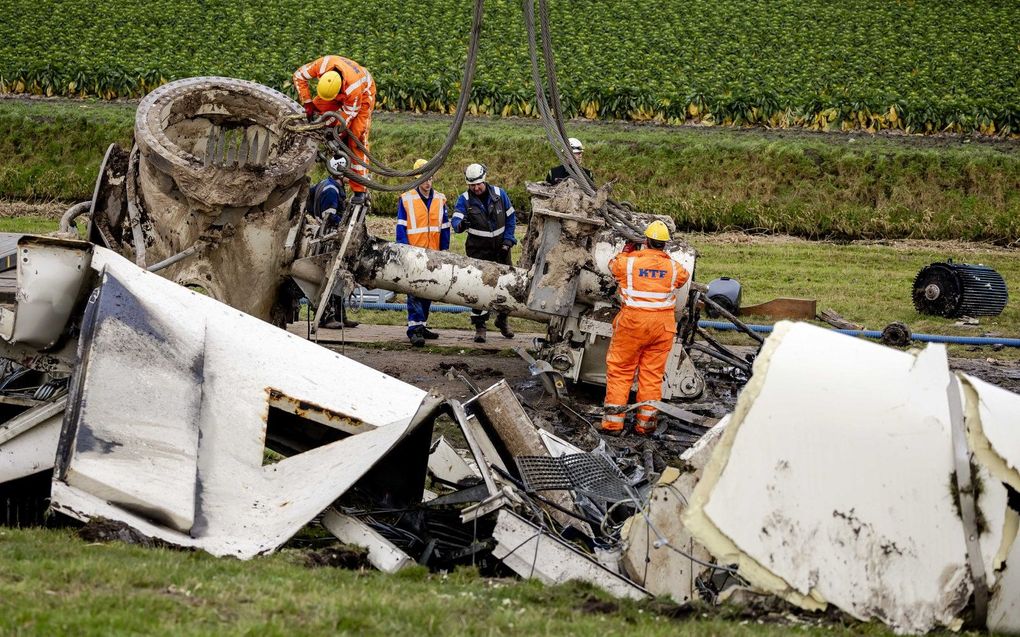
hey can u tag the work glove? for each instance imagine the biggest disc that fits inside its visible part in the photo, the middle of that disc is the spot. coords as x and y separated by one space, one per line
630 246
309 111
507 245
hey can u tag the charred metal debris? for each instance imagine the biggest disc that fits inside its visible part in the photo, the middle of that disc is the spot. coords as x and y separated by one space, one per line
162 406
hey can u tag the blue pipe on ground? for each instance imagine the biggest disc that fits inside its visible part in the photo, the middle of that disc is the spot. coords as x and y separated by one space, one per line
765 329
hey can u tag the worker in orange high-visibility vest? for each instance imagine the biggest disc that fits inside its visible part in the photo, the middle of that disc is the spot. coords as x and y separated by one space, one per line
423 221
644 329
345 87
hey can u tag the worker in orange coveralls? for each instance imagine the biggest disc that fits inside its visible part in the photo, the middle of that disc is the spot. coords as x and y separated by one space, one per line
644 330
348 88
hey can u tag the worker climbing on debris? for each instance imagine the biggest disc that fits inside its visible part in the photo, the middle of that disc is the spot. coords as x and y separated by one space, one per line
559 173
346 87
423 222
644 329
485 212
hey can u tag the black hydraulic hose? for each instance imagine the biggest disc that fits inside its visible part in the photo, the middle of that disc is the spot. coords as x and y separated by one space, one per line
613 213
73 213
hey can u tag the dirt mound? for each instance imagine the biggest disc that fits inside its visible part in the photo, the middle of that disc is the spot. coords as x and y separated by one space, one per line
105 531
340 556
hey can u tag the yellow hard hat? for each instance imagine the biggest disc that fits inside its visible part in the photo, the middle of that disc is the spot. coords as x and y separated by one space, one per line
329 85
418 163
657 231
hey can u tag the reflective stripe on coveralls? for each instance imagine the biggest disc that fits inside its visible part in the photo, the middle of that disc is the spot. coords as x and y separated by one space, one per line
643 332
354 103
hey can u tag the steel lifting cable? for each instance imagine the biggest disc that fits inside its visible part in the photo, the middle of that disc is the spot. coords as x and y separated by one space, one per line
552 119
425 172
551 123
570 162
613 210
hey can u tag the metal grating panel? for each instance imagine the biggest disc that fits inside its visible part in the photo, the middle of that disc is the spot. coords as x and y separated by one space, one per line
542 473
592 475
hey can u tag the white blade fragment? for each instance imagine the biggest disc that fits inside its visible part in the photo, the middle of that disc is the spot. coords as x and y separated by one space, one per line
834 482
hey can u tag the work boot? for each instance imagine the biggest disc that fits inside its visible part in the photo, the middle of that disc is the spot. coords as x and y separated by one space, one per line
612 424
503 326
480 334
332 324
349 323
416 337
429 334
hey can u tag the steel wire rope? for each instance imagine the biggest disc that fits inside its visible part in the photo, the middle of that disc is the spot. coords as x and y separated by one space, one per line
425 172
552 120
554 96
551 123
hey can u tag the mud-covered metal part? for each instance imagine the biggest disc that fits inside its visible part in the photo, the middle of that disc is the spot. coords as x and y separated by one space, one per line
563 279
514 434
339 282
51 280
445 276
896 335
210 191
108 207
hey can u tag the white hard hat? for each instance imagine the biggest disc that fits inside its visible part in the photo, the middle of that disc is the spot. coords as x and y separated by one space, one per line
337 164
475 174
575 145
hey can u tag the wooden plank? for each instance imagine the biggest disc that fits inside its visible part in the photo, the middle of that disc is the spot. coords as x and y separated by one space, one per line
783 308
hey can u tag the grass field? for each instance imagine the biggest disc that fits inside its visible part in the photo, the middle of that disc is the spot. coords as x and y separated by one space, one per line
868 283
920 66
55 584
810 185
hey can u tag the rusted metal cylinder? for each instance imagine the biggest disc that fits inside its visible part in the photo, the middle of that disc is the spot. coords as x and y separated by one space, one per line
212 162
454 278
446 277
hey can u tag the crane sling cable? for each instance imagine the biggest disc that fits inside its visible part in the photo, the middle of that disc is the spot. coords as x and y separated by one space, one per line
335 133
615 214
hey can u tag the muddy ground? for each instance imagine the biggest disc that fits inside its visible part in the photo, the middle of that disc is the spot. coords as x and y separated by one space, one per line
442 372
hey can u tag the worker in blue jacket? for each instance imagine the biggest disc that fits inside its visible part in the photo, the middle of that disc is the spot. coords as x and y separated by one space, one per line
328 198
327 202
484 211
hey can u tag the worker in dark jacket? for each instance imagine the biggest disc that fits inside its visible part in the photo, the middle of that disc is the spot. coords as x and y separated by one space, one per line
328 198
327 201
559 173
484 211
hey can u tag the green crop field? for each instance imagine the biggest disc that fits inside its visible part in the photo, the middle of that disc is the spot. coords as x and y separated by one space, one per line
808 184
915 65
